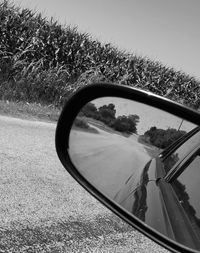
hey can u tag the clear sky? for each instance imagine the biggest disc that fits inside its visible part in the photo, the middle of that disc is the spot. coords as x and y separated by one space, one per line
163 30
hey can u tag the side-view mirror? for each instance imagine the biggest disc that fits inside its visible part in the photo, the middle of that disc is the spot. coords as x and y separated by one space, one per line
138 154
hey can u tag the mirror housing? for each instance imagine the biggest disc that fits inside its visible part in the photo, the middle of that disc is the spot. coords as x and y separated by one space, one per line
66 120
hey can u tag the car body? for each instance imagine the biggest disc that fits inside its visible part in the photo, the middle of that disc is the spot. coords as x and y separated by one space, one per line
166 197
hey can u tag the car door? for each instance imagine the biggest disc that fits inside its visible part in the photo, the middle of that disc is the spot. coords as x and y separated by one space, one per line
179 192
158 201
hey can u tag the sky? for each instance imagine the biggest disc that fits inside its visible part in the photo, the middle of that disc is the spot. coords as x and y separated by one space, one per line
162 30
149 116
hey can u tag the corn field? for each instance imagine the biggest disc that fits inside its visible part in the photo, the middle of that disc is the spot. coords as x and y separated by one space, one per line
43 61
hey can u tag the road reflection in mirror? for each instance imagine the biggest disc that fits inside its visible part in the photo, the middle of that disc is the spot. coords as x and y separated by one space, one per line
120 147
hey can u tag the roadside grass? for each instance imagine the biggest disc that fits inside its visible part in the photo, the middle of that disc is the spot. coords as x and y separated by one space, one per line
32 111
81 124
104 127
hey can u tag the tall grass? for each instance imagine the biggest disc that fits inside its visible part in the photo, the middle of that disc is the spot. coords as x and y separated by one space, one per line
43 61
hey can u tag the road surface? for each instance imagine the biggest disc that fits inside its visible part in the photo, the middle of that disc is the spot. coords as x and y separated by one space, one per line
43 209
107 160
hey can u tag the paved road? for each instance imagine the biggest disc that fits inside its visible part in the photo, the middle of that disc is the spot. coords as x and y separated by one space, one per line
107 160
42 208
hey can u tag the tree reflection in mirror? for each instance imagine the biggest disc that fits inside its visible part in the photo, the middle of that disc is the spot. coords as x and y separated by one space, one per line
141 158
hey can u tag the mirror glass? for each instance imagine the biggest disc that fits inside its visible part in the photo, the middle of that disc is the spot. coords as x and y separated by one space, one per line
144 159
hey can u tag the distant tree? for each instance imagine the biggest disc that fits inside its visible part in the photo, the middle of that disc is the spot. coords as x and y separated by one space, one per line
133 121
121 124
107 114
126 124
90 110
162 138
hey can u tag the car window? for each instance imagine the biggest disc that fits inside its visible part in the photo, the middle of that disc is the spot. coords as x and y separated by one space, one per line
186 187
182 151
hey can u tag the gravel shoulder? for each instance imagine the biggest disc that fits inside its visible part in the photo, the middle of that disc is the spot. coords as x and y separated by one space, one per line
43 209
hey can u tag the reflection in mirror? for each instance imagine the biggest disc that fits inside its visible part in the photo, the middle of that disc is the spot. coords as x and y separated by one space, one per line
127 150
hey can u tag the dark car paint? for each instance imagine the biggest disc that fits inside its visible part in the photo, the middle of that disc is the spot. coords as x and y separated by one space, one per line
154 201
